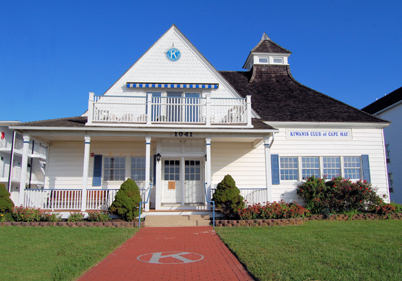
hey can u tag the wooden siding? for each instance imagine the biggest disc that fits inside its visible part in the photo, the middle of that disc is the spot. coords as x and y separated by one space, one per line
242 161
364 141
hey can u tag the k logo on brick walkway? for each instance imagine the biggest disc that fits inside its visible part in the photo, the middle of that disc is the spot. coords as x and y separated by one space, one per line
170 253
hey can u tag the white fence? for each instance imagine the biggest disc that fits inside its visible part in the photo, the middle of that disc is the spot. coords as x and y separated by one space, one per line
163 110
252 195
70 199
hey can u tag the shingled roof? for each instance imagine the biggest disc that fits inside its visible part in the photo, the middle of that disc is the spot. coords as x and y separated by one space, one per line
277 96
384 102
266 45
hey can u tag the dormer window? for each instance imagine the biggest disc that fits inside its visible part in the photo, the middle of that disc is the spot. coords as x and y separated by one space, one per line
263 60
278 60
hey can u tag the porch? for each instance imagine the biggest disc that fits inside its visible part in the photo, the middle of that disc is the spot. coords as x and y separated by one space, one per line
173 109
100 199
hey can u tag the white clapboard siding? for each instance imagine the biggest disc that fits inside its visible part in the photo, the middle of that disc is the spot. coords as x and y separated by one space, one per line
242 161
365 141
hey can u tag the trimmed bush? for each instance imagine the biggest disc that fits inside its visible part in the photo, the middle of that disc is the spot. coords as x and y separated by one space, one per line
227 197
6 204
98 216
126 201
338 195
75 217
275 210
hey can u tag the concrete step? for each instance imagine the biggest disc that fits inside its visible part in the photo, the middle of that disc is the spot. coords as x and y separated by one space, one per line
177 220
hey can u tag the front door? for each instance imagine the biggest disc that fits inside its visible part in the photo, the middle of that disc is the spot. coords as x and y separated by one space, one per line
182 182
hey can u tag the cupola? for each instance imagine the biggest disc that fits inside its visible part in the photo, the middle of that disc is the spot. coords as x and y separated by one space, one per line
267 52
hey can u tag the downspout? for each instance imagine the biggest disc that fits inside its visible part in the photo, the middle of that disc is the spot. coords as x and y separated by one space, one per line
11 162
30 170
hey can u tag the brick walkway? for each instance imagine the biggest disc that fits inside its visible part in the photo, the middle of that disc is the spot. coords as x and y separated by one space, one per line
177 253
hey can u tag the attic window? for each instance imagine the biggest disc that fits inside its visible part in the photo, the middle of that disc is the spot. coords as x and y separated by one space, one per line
263 60
278 60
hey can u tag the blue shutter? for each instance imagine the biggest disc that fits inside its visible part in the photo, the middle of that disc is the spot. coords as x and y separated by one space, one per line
366 168
275 169
97 177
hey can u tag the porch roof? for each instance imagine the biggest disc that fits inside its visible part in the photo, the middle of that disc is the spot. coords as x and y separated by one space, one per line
80 121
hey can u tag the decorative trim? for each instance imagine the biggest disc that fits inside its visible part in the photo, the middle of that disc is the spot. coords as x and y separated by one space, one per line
147 143
87 142
25 141
172 86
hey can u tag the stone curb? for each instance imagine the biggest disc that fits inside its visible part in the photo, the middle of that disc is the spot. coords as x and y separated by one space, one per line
72 224
299 221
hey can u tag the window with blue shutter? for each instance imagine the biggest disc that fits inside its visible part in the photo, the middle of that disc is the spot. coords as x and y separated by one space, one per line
275 169
97 177
366 168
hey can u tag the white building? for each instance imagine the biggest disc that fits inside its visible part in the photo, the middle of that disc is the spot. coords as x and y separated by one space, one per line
175 121
389 108
11 144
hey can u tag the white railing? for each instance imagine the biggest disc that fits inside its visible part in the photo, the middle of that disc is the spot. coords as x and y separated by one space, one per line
123 109
169 110
178 110
4 143
252 195
70 199
228 111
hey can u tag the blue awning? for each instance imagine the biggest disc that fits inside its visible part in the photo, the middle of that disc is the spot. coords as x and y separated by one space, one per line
172 86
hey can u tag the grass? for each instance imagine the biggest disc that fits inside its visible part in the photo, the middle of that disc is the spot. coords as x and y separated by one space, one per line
320 250
55 253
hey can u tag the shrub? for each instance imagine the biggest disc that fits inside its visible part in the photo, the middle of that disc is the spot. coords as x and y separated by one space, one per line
27 214
6 204
98 216
51 217
275 210
227 197
75 217
338 195
126 201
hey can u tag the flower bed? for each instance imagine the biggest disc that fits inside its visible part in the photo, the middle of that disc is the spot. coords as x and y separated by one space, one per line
274 210
72 224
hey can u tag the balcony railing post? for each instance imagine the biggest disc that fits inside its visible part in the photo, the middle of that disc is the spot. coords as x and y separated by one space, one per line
208 113
90 108
149 107
249 111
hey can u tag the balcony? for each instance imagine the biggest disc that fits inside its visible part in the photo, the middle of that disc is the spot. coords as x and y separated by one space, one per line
150 110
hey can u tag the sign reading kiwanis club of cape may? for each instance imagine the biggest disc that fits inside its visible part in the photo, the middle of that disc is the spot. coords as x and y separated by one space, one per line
319 134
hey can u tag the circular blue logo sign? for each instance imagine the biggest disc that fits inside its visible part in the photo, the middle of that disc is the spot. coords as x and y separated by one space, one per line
173 54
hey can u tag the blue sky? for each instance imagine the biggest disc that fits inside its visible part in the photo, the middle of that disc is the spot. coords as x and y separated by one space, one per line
52 53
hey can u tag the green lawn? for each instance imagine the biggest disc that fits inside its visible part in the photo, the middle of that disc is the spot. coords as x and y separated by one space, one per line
320 250
55 253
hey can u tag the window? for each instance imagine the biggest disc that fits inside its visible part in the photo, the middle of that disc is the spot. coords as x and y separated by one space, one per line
289 168
310 167
388 151
172 170
138 168
263 60
352 167
114 169
192 170
332 167
278 60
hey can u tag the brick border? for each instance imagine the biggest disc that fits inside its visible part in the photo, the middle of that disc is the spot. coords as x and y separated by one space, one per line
299 221
72 224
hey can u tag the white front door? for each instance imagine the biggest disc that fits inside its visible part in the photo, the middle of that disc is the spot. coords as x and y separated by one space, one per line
193 182
171 182
182 181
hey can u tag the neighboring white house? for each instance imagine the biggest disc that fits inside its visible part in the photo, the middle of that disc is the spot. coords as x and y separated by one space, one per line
175 121
389 107
11 144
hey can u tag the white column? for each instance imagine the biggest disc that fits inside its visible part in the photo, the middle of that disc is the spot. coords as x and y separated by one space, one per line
268 176
208 111
158 178
249 124
24 164
147 168
87 147
149 109
90 108
208 173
